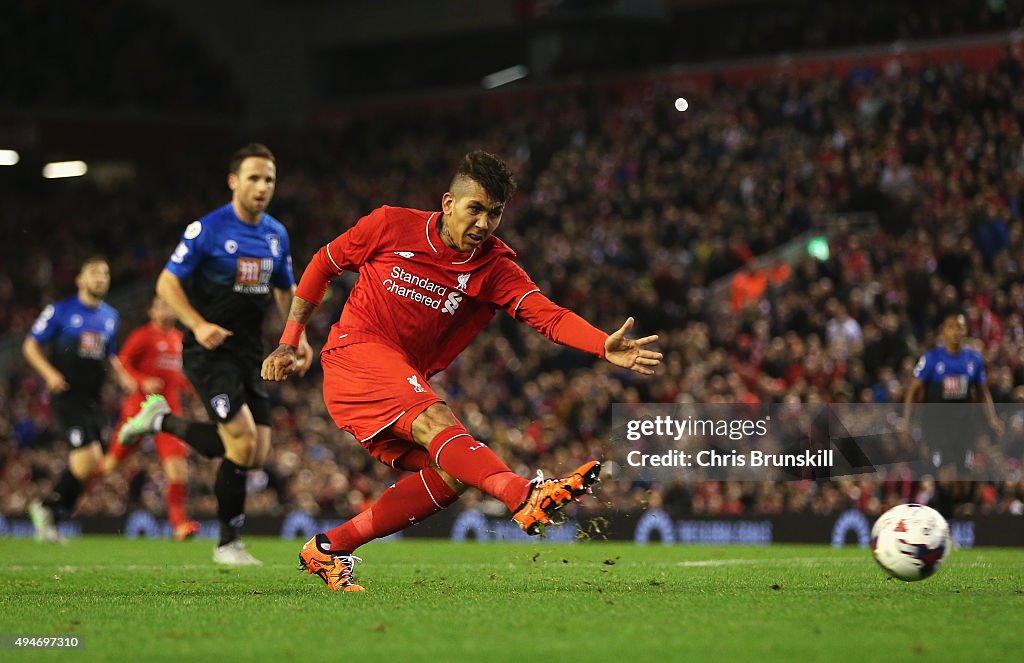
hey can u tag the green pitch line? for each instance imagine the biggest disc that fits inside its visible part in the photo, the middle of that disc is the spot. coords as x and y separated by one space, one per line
439 601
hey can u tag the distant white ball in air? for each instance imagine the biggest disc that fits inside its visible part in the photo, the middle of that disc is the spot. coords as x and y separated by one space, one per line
682 104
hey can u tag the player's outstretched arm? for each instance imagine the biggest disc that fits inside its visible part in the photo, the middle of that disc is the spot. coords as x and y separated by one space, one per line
565 327
284 361
630 353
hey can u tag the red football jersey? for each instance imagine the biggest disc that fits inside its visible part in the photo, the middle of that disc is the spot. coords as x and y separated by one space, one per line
427 300
152 352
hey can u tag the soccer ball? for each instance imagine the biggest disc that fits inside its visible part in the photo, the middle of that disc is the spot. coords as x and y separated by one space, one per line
910 541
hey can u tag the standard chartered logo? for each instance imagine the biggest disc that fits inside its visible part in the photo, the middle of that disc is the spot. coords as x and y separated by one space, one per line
422 291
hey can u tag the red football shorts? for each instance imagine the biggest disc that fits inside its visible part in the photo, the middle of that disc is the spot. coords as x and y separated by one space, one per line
372 392
167 446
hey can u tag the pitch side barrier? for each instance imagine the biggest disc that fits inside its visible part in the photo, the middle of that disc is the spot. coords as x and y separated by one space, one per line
651 527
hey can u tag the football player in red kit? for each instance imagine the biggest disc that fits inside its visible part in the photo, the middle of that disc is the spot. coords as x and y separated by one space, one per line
152 356
428 284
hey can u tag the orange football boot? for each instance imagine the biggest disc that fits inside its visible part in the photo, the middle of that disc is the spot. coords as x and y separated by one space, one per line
186 530
335 570
548 495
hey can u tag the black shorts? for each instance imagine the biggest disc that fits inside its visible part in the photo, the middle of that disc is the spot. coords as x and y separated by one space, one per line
79 418
953 439
225 384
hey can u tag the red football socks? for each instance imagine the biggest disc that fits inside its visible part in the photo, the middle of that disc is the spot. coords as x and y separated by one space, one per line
414 498
118 452
456 452
175 495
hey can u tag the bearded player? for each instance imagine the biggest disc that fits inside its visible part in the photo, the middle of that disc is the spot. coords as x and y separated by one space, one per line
428 284
221 279
80 333
152 356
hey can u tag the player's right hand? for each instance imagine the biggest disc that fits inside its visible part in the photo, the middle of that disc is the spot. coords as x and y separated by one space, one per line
279 364
56 383
210 335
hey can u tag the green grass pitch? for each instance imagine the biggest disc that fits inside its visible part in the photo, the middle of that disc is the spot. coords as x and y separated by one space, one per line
151 600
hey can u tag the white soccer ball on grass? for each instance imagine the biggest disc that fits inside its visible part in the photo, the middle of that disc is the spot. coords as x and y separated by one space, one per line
911 541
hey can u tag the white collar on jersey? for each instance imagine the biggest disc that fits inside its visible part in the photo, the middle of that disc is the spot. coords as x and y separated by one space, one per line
454 262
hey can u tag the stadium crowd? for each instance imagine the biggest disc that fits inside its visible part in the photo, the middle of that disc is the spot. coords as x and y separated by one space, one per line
138 58
625 204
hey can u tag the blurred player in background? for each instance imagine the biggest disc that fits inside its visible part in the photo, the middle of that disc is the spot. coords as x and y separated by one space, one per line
81 332
152 356
429 282
220 281
955 374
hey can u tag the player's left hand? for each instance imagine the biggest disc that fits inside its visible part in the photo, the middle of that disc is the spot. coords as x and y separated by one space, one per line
629 353
303 356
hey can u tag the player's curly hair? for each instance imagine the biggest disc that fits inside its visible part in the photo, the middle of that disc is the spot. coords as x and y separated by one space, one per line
250 150
488 171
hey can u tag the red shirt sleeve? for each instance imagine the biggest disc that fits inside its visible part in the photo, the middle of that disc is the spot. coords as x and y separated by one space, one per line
346 252
514 291
132 353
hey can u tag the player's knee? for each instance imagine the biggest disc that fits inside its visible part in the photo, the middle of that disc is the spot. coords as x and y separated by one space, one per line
432 421
85 462
240 447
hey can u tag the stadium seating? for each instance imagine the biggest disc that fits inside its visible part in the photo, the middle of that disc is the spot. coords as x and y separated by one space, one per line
626 207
